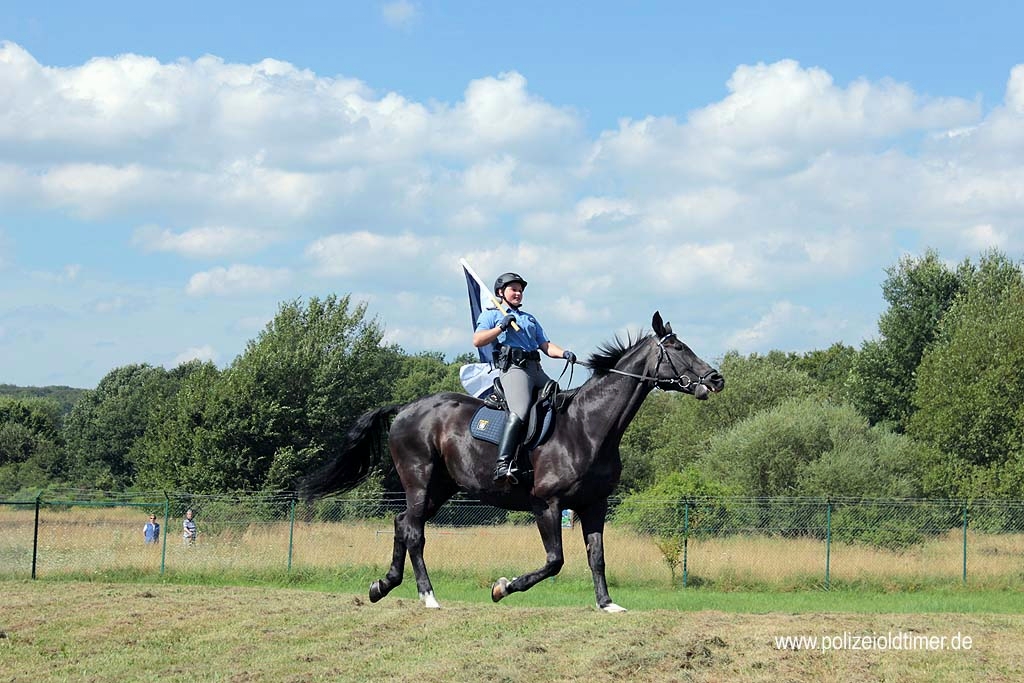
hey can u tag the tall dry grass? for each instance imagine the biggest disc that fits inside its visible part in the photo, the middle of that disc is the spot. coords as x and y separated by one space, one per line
94 540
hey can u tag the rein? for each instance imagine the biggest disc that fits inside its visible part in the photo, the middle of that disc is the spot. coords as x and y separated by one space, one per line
682 380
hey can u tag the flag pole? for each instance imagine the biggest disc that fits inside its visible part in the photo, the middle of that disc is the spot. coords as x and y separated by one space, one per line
498 303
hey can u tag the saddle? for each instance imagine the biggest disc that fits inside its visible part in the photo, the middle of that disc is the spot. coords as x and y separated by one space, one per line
488 422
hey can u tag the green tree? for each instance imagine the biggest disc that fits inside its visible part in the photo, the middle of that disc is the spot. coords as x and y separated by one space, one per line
830 367
764 454
422 375
970 383
105 424
672 509
283 405
641 440
806 447
31 450
919 291
64 396
176 452
676 430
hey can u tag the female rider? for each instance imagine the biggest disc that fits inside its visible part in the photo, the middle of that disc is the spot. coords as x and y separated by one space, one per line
518 358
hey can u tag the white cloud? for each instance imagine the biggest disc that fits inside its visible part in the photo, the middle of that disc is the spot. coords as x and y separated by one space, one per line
777 116
399 14
505 184
573 310
499 115
1015 89
983 237
361 252
204 242
113 305
797 327
789 187
65 275
770 328
237 279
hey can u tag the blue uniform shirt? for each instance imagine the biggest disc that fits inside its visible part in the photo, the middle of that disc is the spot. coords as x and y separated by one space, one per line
529 337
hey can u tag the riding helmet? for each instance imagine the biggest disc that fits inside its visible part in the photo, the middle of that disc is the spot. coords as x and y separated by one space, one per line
505 279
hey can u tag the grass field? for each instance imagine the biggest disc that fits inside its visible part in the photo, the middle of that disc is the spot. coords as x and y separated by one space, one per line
229 608
99 631
104 541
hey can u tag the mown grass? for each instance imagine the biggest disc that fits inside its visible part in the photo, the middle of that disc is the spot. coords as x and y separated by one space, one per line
564 592
160 631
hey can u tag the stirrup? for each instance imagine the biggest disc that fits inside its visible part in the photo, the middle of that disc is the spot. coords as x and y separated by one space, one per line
509 476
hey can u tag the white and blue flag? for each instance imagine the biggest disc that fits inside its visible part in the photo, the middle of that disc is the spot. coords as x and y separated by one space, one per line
477 378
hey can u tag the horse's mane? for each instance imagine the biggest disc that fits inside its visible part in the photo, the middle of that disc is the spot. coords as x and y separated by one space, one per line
611 352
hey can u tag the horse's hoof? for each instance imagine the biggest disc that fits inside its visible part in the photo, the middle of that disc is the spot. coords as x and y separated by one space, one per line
612 608
376 592
499 589
429 600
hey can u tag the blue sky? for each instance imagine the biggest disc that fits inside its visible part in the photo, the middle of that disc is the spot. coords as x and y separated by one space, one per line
169 175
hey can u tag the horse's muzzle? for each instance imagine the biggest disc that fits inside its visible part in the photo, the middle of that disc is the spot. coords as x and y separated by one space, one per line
713 382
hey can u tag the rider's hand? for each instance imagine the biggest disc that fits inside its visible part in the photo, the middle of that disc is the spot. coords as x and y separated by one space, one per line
569 356
506 322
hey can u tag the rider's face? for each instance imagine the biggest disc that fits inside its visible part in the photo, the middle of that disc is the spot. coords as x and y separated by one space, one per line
513 294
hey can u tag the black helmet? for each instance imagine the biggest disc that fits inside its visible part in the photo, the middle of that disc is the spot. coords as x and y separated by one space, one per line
505 279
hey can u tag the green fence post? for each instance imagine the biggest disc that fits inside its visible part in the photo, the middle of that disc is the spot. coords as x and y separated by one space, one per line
167 520
686 536
828 542
291 535
35 536
964 578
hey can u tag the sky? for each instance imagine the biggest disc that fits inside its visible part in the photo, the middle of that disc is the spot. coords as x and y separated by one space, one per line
171 175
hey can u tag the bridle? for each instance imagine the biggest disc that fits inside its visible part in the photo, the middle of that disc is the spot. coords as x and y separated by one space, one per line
680 379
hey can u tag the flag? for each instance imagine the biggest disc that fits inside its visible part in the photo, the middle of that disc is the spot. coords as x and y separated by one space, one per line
477 378
475 307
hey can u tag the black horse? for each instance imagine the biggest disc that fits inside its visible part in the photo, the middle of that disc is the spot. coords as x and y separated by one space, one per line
576 468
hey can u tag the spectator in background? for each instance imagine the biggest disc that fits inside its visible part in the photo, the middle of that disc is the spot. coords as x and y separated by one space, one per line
190 530
151 532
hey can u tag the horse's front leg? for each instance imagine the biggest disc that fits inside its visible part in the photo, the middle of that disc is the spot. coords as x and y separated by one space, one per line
592 521
549 523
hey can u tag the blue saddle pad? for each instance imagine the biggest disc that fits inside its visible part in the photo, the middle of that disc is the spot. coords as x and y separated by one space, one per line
488 424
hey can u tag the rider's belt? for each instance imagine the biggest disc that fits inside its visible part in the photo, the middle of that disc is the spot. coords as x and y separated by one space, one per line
512 355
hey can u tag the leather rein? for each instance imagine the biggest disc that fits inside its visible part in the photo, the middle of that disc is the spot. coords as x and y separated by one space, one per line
680 379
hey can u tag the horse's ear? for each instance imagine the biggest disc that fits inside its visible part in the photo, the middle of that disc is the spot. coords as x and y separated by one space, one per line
657 325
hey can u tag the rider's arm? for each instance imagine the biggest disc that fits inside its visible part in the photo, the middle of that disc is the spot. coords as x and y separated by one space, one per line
487 329
552 349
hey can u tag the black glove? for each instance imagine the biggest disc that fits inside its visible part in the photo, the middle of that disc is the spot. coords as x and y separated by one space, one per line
569 356
506 322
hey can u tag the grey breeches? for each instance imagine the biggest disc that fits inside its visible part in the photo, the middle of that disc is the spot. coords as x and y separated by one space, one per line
519 384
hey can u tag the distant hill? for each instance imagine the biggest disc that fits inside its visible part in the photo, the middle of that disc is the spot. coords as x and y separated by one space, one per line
65 396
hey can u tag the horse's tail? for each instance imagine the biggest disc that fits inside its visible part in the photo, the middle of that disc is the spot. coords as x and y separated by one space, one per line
360 454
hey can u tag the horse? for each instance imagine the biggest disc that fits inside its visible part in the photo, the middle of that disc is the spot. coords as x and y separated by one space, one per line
577 467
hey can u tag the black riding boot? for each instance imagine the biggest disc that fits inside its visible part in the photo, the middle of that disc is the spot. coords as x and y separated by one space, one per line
507 448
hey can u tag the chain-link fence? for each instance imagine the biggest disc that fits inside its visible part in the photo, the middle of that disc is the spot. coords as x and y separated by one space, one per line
722 543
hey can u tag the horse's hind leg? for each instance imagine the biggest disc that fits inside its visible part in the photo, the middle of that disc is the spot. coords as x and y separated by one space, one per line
381 587
412 533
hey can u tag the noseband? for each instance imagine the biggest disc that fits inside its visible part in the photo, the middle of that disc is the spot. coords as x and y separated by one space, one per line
680 379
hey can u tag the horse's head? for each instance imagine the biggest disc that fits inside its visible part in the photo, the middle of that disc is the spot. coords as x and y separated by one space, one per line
677 368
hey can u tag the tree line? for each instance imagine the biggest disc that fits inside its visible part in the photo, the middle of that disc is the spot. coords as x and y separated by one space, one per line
931 407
